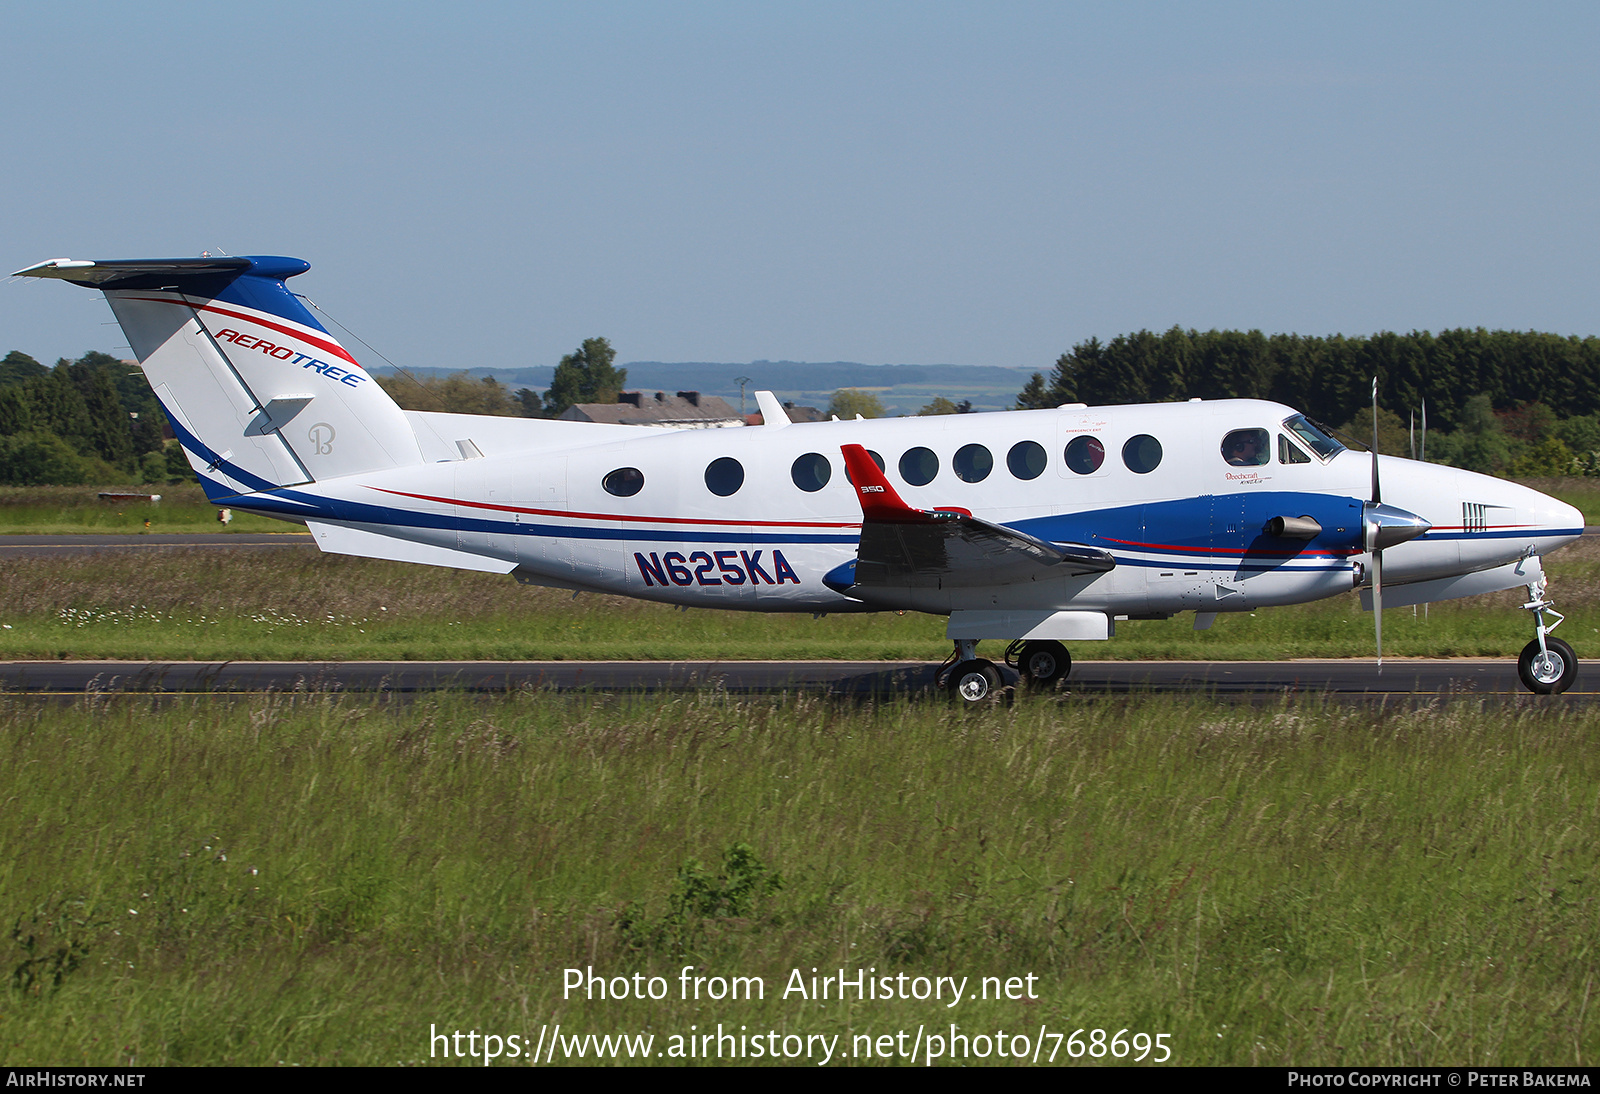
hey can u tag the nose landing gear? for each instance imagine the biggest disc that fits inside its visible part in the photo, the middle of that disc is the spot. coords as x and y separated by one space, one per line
1547 665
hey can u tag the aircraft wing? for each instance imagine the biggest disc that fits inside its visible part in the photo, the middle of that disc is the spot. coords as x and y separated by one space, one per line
902 547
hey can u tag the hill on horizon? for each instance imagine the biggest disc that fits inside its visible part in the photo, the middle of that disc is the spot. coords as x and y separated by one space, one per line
903 389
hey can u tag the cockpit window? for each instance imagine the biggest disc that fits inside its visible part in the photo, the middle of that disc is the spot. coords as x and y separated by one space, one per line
1289 452
1246 448
1315 439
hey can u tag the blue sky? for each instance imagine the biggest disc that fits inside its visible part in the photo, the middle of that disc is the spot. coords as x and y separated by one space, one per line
487 185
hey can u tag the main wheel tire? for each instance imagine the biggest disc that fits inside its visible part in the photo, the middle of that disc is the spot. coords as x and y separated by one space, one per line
1547 675
975 681
1044 662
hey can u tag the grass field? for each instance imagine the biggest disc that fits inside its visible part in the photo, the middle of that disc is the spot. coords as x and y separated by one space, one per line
78 510
320 880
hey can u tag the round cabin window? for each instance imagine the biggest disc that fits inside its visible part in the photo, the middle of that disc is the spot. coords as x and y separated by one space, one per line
624 482
724 476
919 466
811 472
1142 454
1085 455
972 463
1026 460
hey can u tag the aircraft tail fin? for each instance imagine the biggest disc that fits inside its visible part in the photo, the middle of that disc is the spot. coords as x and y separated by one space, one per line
258 391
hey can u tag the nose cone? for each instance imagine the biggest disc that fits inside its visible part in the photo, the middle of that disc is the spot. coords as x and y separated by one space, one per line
1518 515
1558 517
1551 521
1388 525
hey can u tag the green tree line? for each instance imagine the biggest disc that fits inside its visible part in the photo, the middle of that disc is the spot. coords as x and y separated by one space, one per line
90 420
586 375
96 420
1488 393
1503 402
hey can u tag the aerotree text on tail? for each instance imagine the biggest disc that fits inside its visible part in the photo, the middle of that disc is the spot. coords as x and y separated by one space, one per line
260 394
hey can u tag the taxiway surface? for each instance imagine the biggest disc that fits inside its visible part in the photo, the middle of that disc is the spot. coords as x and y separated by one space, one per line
1399 678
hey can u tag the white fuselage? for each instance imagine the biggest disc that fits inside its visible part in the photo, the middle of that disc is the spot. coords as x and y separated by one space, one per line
1185 533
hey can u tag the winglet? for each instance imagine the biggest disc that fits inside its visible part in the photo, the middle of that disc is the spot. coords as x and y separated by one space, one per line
879 501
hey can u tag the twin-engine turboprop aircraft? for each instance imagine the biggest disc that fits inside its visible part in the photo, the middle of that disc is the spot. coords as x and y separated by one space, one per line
1035 527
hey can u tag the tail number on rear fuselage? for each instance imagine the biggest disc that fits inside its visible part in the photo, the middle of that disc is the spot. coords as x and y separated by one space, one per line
714 568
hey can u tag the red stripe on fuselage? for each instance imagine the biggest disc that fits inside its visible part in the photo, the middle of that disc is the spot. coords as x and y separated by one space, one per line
327 347
1478 528
622 517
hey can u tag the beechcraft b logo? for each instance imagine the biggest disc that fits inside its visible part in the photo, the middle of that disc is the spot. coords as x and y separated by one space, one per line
321 437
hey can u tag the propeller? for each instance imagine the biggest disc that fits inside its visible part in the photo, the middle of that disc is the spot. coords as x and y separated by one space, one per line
1385 526
1372 537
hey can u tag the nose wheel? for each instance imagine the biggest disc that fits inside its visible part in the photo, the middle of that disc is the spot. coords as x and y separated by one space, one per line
1547 665
1549 671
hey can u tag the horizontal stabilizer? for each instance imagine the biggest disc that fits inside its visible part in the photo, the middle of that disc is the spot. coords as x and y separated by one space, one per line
902 547
267 397
337 539
154 273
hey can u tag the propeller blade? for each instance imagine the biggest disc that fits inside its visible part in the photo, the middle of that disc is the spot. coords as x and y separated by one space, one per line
1377 603
1376 495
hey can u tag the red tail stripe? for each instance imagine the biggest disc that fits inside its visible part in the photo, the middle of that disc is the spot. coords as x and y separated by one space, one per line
321 343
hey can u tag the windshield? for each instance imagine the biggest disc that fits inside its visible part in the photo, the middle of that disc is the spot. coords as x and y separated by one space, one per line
1315 439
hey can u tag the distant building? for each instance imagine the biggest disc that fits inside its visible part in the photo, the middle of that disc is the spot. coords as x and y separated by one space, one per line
804 413
685 410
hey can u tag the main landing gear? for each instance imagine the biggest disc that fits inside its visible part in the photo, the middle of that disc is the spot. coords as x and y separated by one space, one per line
1041 663
1547 665
973 680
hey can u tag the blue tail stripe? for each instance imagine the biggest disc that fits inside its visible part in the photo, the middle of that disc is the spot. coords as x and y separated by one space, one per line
262 288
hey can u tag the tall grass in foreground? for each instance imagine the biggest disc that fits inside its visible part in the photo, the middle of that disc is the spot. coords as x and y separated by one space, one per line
298 604
318 879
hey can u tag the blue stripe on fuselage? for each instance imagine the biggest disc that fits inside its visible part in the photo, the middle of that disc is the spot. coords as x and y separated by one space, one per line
1212 525
1132 533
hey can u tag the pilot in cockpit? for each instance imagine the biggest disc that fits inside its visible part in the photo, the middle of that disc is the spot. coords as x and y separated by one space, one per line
1243 448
